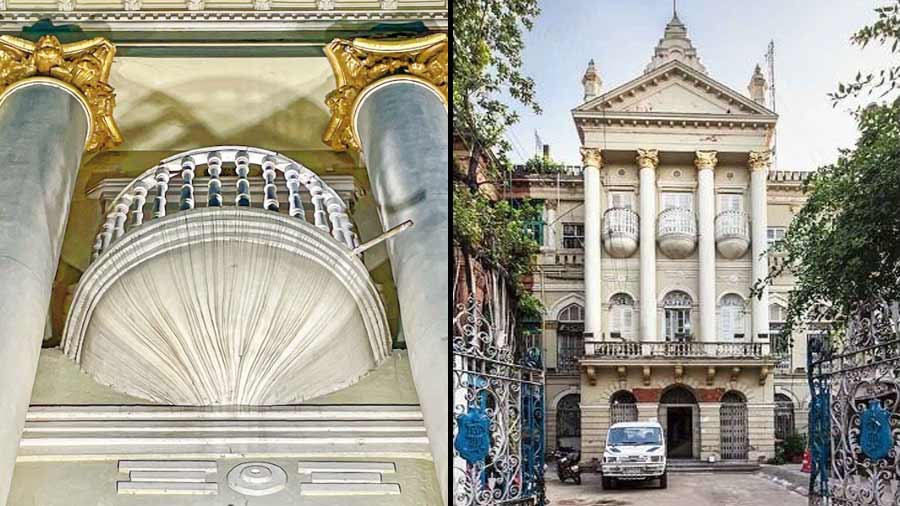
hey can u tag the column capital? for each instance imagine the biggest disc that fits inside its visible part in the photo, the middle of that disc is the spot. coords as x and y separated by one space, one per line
647 158
759 159
80 67
591 157
705 159
361 64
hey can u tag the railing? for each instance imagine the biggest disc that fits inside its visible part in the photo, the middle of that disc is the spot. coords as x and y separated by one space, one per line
608 349
676 220
732 224
620 221
309 198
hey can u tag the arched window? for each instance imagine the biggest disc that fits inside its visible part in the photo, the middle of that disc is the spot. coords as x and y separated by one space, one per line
570 338
784 416
621 316
622 407
731 317
568 421
677 307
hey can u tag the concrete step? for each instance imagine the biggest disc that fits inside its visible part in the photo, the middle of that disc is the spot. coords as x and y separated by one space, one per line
696 466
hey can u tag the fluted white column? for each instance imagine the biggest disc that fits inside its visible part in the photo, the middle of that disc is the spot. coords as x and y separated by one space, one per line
647 160
705 162
592 161
759 167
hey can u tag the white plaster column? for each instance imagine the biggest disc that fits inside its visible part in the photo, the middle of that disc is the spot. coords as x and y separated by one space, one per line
592 161
759 306
705 162
647 160
549 230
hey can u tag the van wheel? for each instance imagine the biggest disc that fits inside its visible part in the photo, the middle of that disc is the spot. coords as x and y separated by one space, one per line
607 484
664 481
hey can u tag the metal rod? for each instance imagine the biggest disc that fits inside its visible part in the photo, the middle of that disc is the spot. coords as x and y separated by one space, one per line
383 237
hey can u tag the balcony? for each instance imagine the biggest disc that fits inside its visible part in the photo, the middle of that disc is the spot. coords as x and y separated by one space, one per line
664 350
732 234
621 229
241 287
676 232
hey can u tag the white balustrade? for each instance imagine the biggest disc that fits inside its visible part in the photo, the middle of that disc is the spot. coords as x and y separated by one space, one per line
677 220
622 222
732 224
328 211
615 349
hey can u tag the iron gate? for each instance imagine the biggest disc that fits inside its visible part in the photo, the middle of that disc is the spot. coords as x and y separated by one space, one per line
733 430
498 412
854 416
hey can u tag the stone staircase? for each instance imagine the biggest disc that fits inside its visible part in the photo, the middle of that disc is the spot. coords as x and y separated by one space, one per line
726 466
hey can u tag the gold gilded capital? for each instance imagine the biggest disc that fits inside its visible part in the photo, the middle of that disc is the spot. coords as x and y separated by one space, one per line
82 66
591 157
359 64
647 158
705 160
759 160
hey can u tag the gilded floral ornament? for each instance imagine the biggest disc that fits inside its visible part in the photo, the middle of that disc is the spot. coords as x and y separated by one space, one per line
705 159
83 65
647 158
759 160
360 63
591 157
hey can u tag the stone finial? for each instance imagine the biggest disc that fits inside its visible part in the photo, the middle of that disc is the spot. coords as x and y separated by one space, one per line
591 157
675 45
757 86
705 160
83 66
759 159
591 82
647 158
360 63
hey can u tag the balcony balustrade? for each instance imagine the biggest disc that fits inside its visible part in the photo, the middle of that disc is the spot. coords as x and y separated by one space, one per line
621 230
612 349
732 233
677 232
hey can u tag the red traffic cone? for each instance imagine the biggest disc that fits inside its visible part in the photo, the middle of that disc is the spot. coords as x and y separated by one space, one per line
807 462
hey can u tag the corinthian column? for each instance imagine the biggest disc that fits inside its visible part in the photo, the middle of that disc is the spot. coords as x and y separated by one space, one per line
759 306
592 162
54 103
390 103
647 160
705 162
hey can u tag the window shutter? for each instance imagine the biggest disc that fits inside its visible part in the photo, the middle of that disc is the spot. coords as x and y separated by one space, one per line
627 321
727 323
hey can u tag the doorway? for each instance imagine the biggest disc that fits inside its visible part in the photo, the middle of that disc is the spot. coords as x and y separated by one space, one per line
679 432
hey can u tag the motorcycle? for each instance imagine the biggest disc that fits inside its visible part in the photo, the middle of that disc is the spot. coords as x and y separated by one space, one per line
567 466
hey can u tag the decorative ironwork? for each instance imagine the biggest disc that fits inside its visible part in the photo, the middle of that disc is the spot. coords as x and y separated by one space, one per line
494 377
733 430
854 380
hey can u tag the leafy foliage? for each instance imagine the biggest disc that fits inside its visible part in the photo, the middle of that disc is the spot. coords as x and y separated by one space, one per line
540 165
885 31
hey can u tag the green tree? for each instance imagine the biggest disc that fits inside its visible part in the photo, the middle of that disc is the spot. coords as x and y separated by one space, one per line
844 244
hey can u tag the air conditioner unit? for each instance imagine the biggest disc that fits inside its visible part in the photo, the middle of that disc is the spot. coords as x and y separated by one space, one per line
739 336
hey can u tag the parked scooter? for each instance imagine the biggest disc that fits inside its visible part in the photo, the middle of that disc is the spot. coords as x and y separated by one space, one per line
567 466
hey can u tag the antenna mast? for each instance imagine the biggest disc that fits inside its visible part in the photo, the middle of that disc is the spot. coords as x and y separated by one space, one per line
770 64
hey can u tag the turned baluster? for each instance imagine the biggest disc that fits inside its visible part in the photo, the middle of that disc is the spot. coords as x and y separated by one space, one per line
108 226
318 201
214 169
121 215
334 214
242 168
140 198
187 187
347 230
292 175
162 186
270 191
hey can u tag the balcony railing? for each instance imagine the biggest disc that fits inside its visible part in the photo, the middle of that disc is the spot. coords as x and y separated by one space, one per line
732 225
607 349
146 198
676 220
621 222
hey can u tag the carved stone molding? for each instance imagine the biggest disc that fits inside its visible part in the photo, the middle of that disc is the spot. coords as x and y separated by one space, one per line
647 158
361 63
759 160
591 157
83 66
705 160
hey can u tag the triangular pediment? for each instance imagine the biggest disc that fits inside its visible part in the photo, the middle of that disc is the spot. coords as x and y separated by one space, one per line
675 88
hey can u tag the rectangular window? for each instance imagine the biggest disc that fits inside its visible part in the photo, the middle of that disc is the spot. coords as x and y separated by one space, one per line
731 202
683 200
774 234
573 236
677 323
622 200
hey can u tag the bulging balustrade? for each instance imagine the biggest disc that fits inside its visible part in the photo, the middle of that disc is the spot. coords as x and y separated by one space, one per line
621 230
732 233
208 287
677 232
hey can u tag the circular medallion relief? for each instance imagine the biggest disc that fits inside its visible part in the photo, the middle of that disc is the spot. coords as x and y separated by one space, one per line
257 478
621 172
677 173
730 175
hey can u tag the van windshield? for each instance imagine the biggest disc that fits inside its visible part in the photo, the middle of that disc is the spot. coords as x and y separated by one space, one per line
633 436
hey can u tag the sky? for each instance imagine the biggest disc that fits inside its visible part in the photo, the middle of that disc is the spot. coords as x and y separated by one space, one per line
813 54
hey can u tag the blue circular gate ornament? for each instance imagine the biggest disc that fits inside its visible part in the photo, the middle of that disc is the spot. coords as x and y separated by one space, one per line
875 431
473 441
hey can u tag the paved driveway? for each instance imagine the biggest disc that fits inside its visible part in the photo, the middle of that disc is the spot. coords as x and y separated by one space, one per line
719 489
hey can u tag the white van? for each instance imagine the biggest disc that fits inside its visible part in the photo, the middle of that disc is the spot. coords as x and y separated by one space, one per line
634 451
